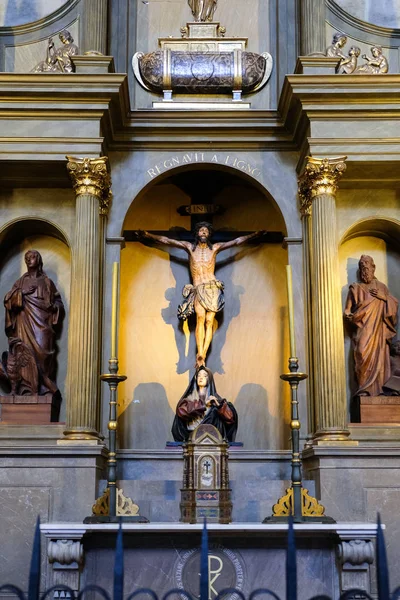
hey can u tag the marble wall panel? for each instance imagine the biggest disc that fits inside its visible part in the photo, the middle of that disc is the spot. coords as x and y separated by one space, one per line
164 564
355 485
20 12
20 506
385 13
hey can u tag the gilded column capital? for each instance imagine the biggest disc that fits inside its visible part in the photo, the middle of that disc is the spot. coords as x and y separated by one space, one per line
91 176
320 176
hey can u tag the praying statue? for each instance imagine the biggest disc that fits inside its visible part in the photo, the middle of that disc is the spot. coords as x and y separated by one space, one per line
33 308
200 405
205 296
203 10
373 312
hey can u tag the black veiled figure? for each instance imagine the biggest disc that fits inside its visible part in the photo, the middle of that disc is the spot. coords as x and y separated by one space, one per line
201 404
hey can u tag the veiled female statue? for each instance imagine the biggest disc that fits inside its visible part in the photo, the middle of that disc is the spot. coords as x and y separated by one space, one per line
200 404
33 307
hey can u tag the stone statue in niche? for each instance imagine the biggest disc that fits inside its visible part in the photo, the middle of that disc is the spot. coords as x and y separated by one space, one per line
206 296
201 405
203 10
33 308
375 65
58 60
373 312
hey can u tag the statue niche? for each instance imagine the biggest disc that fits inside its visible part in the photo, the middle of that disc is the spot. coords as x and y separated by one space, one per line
33 309
372 312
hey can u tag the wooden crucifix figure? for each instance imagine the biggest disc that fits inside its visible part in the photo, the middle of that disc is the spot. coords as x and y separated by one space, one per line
205 296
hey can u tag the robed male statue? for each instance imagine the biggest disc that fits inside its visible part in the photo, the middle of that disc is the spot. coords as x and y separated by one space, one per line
373 312
203 10
33 307
206 296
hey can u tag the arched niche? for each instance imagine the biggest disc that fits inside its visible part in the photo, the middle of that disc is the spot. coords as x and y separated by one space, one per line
18 237
249 347
378 237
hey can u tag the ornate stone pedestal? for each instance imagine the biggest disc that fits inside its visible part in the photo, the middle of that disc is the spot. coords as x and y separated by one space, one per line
205 492
30 410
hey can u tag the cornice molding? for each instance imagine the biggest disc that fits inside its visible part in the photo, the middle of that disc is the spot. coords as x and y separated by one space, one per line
43 100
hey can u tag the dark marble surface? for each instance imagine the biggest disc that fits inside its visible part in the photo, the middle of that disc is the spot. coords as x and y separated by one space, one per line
163 562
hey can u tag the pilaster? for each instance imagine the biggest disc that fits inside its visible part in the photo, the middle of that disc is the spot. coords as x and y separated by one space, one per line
91 182
312 33
94 25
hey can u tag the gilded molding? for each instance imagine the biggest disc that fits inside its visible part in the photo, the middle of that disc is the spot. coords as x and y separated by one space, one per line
320 176
91 176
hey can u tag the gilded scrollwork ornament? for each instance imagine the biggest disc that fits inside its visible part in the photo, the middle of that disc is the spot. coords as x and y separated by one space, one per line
91 176
125 506
320 176
310 507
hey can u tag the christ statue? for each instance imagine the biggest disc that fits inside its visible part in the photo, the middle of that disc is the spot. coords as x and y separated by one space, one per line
205 297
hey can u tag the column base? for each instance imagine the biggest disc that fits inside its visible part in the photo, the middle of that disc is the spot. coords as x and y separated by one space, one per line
332 437
81 434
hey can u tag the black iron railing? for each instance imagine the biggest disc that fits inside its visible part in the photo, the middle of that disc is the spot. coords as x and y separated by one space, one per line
383 589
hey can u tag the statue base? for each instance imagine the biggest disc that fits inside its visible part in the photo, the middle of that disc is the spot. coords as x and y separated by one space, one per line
30 410
379 409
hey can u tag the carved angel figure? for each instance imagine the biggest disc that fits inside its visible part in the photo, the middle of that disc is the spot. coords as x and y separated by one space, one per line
203 10
376 65
348 65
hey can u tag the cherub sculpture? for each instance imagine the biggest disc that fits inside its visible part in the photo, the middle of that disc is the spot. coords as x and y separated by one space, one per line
376 65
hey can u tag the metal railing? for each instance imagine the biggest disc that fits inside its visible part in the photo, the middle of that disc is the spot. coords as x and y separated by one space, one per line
34 593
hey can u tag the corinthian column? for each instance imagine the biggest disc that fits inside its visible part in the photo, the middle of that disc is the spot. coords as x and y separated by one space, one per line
317 189
312 34
91 182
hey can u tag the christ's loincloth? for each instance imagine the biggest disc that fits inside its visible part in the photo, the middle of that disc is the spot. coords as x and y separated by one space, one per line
210 296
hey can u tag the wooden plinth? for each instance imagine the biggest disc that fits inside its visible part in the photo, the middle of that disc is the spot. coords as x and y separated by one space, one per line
380 409
29 410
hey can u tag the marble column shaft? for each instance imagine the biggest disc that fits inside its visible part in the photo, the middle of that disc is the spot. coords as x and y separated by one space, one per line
318 186
94 26
91 182
312 33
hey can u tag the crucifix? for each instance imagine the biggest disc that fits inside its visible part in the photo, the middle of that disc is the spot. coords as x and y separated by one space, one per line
207 466
204 297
